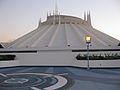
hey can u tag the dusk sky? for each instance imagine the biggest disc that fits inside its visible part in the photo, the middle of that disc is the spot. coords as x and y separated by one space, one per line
18 17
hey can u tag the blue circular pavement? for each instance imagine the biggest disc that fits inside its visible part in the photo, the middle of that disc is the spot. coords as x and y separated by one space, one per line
58 78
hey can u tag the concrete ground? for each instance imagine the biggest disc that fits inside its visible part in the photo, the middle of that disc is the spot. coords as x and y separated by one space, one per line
58 78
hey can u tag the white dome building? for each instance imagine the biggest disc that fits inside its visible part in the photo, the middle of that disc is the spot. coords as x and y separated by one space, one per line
57 42
61 31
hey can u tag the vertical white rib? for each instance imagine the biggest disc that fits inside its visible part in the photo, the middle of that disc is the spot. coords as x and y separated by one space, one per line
53 37
67 40
41 37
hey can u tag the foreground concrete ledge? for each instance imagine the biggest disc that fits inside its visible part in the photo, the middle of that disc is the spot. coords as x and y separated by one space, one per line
9 63
77 63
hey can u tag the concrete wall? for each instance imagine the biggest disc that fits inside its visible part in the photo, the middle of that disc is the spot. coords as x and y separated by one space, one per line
56 58
98 63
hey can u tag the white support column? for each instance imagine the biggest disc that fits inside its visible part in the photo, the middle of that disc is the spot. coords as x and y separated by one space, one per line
59 18
53 17
39 23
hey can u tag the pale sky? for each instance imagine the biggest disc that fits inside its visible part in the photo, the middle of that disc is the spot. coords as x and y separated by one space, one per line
18 17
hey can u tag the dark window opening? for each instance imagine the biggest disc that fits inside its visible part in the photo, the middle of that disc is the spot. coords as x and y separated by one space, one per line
18 51
119 44
62 22
67 22
1 46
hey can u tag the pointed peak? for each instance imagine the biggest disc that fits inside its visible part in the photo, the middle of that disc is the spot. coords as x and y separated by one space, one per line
88 13
39 22
47 14
53 13
85 16
88 18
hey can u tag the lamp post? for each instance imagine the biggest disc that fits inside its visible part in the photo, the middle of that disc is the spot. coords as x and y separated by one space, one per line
88 41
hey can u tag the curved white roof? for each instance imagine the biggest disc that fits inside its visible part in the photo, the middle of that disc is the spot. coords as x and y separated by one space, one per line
60 31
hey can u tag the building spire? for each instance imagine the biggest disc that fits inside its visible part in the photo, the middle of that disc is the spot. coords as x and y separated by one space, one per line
85 16
53 17
39 22
88 18
56 8
47 14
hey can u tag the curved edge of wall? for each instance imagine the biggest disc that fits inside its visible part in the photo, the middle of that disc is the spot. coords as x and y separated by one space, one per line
9 63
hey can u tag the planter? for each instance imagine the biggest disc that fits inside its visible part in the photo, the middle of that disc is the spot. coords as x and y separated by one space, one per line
7 57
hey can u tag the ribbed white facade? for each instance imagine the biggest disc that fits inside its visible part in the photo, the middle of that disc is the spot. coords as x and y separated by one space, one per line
60 31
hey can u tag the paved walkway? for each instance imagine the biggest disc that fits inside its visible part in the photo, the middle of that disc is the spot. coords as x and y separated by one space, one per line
59 78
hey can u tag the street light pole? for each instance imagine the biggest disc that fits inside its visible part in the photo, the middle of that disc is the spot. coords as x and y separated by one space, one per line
88 41
88 67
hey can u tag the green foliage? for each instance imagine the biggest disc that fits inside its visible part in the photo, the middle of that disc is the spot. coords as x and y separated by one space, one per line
7 57
98 57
